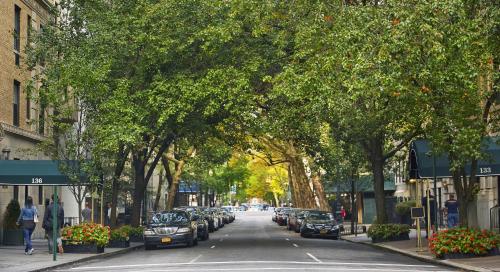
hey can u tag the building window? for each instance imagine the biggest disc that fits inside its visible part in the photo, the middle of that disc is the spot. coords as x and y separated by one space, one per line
26 193
29 29
17 32
28 108
41 119
40 195
15 103
16 193
42 58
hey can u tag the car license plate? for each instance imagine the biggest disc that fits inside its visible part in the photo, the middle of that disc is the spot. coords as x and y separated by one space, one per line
323 231
166 240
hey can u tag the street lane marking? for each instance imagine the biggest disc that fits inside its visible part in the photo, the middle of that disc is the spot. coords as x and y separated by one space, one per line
195 259
295 245
334 268
226 235
314 258
251 262
212 246
288 239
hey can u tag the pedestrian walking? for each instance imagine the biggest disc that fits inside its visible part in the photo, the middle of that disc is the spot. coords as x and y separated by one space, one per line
343 213
48 224
86 213
28 219
452 208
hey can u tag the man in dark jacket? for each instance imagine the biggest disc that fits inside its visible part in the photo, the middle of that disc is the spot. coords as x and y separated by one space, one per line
48 224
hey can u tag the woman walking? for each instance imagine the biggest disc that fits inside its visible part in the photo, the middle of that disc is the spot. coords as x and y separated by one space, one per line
27 219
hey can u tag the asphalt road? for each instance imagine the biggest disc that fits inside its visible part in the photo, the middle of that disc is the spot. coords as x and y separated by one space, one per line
254 243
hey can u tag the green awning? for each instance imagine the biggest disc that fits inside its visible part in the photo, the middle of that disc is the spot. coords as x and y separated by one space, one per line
421 164
363 184
36 172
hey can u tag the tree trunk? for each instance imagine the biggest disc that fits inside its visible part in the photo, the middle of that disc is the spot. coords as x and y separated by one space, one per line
139 188
174 187
302 189
320 192
114 202
158 192
376 155
119 166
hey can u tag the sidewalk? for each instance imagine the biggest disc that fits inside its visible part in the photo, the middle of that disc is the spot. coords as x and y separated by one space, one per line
12 258
409 248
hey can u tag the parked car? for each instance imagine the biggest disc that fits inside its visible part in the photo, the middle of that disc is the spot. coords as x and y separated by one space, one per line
218 214
293 217
275 214
196 214
319 224
212 219
282 216
171 228
230 210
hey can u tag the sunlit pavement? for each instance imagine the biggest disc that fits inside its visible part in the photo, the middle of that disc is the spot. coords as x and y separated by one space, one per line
255 243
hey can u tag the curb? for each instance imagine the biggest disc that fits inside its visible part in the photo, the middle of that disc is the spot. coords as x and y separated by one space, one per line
426 259
90 258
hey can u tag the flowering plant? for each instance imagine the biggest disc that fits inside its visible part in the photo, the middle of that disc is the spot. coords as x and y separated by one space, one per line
87 233
119 234
464 241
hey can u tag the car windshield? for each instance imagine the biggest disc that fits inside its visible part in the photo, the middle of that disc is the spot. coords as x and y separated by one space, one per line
319 216
170 218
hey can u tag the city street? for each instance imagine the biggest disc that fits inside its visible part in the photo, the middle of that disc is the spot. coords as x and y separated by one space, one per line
254 243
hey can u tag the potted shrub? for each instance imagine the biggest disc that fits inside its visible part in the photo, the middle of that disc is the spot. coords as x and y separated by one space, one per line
135 234
12 233
85 238
403 209
119 239
389 232
464 243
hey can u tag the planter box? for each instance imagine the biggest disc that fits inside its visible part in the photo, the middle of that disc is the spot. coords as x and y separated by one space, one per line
138 239
13 237
400 237
118 244
492 252
68 248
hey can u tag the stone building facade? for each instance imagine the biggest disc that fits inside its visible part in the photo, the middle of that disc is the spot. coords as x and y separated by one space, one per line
22 120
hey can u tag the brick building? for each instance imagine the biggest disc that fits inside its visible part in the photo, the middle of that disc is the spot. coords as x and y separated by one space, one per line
22 120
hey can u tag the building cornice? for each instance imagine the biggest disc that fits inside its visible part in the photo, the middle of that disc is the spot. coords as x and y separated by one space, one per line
42 7
4 127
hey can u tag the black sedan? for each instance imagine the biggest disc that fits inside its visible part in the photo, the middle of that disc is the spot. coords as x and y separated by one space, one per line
319 224
171 228
197 215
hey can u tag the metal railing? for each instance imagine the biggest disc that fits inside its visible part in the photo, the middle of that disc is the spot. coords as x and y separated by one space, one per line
346 229
71 221
494 219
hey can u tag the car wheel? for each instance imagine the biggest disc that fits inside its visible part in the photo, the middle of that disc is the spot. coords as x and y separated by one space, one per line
297 230
195 242
149 247
335 238
190 243
206 237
